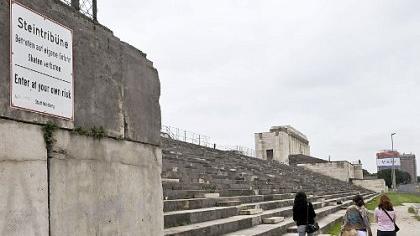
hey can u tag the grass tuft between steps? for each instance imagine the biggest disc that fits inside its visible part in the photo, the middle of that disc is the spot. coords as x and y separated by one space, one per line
334 229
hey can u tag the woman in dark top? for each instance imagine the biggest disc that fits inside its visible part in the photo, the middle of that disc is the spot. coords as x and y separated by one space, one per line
303 213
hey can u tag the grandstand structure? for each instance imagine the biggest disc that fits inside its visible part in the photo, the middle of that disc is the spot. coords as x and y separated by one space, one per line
210 192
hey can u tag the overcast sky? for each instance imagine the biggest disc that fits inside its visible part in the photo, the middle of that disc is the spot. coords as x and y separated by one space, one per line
345 73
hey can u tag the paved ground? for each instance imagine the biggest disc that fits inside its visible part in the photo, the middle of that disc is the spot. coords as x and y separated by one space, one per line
409 226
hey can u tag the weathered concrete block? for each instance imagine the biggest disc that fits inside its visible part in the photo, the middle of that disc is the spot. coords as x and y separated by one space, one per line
142 121
104 187
229 203
115 85
206 195
251 211
170 180
273 220
23 180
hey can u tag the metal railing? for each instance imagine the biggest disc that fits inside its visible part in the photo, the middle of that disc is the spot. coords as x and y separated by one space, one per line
86 7
202 140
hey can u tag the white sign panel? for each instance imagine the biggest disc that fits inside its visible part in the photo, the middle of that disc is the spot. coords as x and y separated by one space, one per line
41 64
388 162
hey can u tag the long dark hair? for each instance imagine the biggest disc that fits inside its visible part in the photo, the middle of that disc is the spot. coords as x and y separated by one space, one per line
385 203
300 199
358 200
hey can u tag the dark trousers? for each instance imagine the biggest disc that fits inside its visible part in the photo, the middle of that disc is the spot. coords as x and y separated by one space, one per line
386 233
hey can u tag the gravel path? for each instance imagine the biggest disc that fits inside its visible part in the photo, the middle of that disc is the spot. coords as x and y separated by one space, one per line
409 226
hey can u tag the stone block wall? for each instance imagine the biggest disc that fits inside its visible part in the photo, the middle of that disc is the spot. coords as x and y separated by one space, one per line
376 185
341 170
104 187
115 86
82 185
23 180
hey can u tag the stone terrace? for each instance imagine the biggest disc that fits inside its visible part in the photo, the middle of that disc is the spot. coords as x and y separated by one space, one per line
213 192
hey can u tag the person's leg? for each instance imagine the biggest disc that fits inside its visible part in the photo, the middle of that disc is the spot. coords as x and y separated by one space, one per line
301 229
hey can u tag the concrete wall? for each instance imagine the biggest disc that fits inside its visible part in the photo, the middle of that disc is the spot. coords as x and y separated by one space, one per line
86 186
23 180
104 187
376 185
97 187
115 85
341 170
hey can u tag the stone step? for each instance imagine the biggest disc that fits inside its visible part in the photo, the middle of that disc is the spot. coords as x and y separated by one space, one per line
253 211
179 218
282 227
325 221
273 220
234 223
195 203
170 194
184 217
228 203
265 229
206 195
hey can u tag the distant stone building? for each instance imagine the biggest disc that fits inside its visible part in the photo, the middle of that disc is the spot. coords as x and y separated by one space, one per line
404 162
408 164
280 142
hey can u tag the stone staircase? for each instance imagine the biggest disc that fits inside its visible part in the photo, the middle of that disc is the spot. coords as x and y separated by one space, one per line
213 192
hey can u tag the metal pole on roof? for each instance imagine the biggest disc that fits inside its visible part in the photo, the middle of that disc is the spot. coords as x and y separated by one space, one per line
394 181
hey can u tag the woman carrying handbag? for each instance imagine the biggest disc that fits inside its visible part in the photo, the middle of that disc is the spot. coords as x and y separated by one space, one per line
385 216
304 215
356 221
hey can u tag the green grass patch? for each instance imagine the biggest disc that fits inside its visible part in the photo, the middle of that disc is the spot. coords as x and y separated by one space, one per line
417 217
334 229
396 198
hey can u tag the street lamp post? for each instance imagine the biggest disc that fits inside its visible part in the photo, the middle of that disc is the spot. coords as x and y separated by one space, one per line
394 182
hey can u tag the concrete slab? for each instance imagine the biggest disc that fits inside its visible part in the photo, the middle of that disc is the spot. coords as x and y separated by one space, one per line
228 203
206 195
251 211
23 180
273 220
104 187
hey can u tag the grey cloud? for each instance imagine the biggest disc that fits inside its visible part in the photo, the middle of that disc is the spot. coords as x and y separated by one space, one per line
343 72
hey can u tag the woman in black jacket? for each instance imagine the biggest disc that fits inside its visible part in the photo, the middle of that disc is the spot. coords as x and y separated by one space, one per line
303 213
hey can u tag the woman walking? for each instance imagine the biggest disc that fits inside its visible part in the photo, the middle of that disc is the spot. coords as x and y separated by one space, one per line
356 221
385 216
303 213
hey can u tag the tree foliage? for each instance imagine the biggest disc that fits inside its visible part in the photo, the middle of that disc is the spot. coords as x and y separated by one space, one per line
401 177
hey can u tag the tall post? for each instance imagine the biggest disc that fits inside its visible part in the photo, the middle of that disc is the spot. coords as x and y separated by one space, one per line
75 4
394 182
94 10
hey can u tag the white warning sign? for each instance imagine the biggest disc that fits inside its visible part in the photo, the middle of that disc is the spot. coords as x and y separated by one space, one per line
41 64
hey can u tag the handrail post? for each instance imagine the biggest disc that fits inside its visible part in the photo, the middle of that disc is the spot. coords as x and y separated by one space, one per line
94 10
75 4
